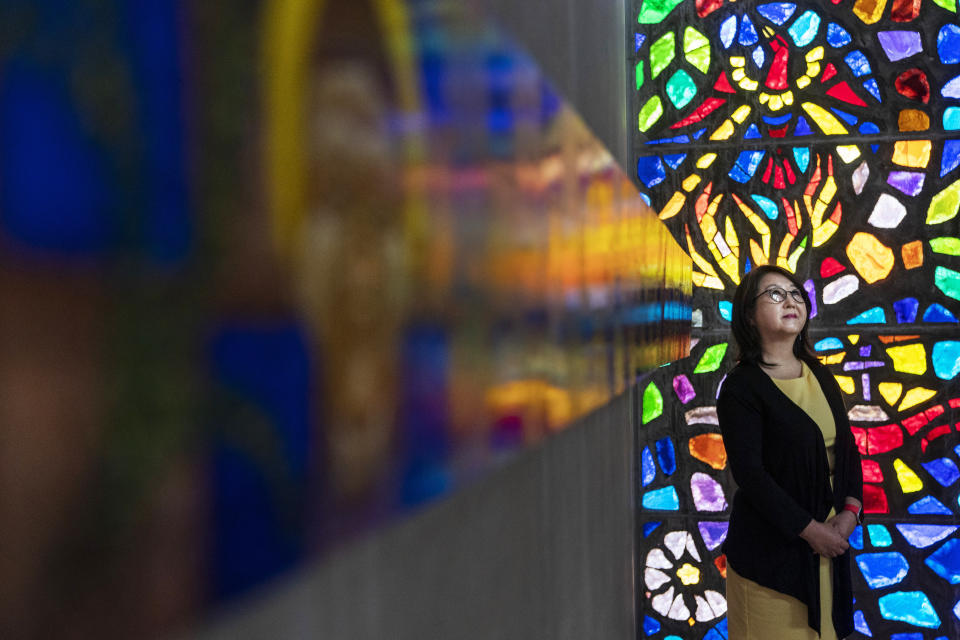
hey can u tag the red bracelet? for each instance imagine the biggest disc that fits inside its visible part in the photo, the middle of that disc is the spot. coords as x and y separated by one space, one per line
854 509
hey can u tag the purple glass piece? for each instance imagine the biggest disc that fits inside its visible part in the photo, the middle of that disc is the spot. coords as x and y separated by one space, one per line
707 493
811 290
900 44
859 366
865 351
865 383
683 389
909 182
713 533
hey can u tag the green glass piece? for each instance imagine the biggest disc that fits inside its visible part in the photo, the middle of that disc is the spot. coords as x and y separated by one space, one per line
711 358
944 205
650 113
661 53
949 5
654 11
947 244
948 281
696 48
652 403
680 89
639 73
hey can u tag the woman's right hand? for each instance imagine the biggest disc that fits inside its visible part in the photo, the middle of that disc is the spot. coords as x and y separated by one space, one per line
824 539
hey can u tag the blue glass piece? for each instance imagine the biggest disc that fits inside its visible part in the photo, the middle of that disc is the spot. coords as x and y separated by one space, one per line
870 316
950 159
883 569
675 160
675 140
777 119
946 359
952 88
879 535
938 313
727 31
648 471
828 343
943 470
865 351
804 29
752 132
907 636
651 625
860 624
906 309
912 607
718 632
951 118
746 266
777 12
858 63
713 533
666 456
646 198
639 39
698 133
746 165
726 310
759 57
945 561
900 44
748 33
856 538
802 128
948 44
849 118
650 170
929 504
868 128
922 536
665 499
649 527
837 36
908 182
874 89
801 155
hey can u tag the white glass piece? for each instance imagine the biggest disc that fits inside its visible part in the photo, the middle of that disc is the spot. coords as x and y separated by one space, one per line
702 415
859 177
887 213
658 560
655 578
676 541
679 611
661 603
867 413
840 288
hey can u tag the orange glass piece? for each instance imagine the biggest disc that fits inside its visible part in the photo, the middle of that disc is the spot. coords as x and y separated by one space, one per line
708 448
913 120
869 11
872 259
912 254
889 339
720 562
912 153
905 10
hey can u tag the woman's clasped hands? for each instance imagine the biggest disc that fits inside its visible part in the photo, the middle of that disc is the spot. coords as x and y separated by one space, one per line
827 538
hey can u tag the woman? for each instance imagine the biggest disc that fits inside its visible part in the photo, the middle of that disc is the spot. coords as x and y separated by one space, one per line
797 468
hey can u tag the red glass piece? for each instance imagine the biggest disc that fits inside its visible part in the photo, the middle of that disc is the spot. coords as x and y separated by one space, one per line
934 412
860 437
830 267
777 76
871 471
709 106
883 439
722 84
720 562
837 213
778 180
842 91
791 176
913 84
703 202
955 403
905 10
933 435
915 423
779 133
768 170
874 499
828 72
791 216
706 7
814 181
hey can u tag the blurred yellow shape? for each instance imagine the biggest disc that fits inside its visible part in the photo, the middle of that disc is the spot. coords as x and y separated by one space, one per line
834 358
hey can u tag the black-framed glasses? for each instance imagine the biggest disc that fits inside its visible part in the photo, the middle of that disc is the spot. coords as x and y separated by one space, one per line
778 295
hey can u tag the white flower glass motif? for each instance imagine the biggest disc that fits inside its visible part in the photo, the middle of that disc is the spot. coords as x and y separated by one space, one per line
674 571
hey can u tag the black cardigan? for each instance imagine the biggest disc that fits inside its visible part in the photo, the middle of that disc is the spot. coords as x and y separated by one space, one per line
779 462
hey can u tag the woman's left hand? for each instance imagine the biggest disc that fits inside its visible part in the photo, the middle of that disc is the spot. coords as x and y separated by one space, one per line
844 523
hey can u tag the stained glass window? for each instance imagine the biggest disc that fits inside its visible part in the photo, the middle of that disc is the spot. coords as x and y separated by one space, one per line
821 138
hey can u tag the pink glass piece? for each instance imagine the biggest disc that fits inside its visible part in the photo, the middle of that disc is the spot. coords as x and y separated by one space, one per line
707 493
683 389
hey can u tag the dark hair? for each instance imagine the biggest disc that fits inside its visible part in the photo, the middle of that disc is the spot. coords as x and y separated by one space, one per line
745 334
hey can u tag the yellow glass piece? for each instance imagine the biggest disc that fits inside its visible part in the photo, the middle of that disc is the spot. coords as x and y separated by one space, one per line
853 338
738 61
707 282
738 74
764 98
784 248
824 119
731 237
758 255
724 131
787 97
912 153
912 254
776 103
795 257
741 113
691 182
749 85
911 358
845 382
813 69
909 482
872 259
848 152
824 232
673 207
833 358
913 120
890 391
803 81
706 160
869 11
915 396
814 54
699 260
688 574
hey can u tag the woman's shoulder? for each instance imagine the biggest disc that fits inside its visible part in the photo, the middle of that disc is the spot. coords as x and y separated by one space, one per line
743 376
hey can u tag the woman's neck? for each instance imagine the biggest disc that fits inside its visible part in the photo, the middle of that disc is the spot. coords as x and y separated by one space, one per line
779 355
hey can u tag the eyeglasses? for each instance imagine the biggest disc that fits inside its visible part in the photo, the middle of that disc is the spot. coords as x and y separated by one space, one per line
778 295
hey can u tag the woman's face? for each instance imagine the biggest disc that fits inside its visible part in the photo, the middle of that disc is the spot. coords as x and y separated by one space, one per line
778 320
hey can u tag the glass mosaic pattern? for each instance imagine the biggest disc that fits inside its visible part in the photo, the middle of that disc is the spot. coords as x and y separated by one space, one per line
822 138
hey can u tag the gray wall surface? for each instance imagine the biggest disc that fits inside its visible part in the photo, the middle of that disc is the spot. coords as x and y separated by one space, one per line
541 549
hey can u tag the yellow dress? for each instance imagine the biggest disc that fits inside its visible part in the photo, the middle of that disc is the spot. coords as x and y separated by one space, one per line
755 612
